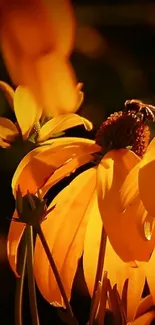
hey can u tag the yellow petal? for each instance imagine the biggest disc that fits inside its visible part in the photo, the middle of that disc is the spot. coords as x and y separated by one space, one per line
61 123
14 236
8 92
118 271
4 144
145 304
80 96
64 230
145 319
26 109
112 171
51 79
8 130
35 169
147 178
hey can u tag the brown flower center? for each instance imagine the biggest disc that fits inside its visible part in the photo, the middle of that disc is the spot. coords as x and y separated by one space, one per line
124 130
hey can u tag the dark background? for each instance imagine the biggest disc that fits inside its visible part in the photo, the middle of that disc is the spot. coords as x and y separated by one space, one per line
114 57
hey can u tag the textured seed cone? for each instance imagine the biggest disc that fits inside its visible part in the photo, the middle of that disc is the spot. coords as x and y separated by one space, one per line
124 130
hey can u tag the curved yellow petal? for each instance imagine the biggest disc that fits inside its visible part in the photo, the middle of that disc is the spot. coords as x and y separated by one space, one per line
8 92
4 144
64 230
26 109
118 271
51 79
35 169
130 189
145 319
112 171
14 236
147 178
61 123
8 130
144 305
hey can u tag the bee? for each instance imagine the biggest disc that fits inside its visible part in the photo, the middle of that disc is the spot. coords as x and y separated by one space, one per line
144 111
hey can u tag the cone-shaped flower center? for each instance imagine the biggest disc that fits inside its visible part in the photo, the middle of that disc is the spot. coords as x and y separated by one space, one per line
126 129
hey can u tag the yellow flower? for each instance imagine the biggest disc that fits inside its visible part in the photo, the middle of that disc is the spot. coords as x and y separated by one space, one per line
74 227
28 115
36 41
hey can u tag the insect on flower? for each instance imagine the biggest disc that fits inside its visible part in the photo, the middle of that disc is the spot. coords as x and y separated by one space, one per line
146 111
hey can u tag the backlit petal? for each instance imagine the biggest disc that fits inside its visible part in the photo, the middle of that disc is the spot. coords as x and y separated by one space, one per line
4 144
64 230
147 178
29 25
129 189
33 173
112 171
63 23
26 109
8 92
145 319
60 123
51 79
144 305
8 130
118 271
14 236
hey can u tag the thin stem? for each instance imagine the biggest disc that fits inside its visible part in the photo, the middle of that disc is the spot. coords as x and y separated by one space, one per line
56 274
31 281
20 283
99 271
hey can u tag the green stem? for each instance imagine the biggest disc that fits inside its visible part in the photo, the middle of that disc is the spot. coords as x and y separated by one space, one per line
20 283
99 272
31 281
56 274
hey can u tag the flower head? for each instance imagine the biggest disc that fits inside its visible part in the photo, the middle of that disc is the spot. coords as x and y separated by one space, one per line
31 123
74 227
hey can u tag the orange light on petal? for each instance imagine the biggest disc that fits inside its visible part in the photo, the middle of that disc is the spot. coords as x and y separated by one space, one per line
8 130
64 230
14 237
145 319
118 271
63 22
60 123
147 179
8 92
52 81
26 109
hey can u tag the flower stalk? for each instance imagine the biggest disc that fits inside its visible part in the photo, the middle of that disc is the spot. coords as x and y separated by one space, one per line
30 273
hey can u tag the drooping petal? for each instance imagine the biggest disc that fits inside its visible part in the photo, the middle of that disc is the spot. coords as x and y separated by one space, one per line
14 236
4 144
51 79
60 123
145 319
8 92
26 109
64 230
8 130
147 178
129 189
112 171
35 169
118 271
